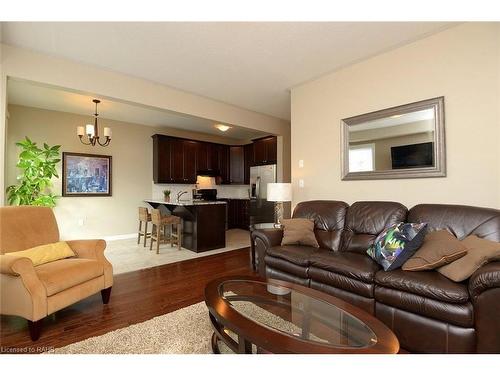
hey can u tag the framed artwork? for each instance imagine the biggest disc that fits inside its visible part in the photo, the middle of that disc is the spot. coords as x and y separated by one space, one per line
86 175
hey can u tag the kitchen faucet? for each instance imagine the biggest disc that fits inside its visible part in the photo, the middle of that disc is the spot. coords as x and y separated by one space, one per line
180 194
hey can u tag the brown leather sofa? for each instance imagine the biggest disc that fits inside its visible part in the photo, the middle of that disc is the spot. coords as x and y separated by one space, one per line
428 312
34 292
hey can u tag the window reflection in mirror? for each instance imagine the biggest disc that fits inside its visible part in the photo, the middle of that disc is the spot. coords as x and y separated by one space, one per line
395 142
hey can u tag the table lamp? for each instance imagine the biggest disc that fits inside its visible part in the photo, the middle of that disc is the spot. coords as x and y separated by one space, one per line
279 192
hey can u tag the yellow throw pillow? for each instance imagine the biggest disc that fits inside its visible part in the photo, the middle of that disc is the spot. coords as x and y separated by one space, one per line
46 253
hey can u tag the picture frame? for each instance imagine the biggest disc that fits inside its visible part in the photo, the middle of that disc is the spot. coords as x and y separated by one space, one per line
86 175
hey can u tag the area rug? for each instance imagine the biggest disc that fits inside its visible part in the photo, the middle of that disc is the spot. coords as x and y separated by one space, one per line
184 331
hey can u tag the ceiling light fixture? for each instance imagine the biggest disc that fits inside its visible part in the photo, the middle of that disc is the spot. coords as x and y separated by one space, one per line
92 131
222 127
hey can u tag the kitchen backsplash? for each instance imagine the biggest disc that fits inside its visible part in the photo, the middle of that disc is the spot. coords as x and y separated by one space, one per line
223 191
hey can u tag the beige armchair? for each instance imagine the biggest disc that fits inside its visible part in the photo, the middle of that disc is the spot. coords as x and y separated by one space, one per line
35 292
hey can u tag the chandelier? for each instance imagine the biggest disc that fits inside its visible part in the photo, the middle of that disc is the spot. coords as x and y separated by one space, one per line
91 131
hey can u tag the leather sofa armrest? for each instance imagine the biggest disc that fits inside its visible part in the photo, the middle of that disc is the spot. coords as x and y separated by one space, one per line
270 237
94 249
265 239
486 277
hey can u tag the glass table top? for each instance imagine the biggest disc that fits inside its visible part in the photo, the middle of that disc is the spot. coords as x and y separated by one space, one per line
296 314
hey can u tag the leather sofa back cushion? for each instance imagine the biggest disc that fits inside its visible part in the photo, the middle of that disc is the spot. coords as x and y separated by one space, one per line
298 232
329 220
46 253
479 252
461 221
366 220
439 248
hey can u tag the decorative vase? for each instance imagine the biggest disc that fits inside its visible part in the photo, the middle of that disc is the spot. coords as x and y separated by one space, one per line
167 198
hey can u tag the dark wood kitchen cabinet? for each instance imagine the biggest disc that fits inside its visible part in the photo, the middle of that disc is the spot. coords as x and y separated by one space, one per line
223 156
238 215
248 161
161 159
189 149
236 165
265 151
178 160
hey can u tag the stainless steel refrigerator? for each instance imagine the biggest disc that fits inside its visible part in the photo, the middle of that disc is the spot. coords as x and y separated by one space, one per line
261 211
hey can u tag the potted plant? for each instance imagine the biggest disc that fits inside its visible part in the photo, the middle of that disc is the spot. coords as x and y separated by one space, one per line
166 194
38 167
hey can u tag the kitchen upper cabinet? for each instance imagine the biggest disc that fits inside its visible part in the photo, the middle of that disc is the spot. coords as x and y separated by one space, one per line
236 165
177 160
223 158
248 162
189 158
161 160
201 156
265 150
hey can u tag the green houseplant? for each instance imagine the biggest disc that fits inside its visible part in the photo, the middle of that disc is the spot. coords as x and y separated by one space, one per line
166 194
38 167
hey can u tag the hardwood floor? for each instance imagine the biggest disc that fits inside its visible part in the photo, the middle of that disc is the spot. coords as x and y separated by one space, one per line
136 297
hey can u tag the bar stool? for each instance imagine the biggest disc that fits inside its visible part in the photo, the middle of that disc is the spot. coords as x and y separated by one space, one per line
160 226
144 217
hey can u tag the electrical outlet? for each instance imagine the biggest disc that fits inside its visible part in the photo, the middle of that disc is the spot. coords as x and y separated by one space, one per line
301 163
81 221
301 183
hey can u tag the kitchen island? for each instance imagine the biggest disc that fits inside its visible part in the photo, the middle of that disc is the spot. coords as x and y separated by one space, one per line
203 222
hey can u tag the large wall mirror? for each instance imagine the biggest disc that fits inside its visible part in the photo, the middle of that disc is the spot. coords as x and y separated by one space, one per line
401 142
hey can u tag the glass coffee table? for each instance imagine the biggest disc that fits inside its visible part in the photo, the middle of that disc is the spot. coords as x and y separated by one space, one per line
254 315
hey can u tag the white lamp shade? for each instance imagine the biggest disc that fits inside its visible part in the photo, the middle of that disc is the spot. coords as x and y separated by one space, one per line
279 192
80 130
107 132
89 129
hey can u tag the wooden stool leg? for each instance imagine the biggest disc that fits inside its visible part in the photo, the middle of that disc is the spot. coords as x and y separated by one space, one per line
152 237
145 233
171 226
139 233
158 238
179 235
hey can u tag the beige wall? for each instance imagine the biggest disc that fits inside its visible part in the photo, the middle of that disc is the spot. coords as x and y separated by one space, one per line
132 169
29 65
462 64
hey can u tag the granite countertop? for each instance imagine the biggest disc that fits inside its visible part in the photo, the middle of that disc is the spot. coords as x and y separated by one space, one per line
183 202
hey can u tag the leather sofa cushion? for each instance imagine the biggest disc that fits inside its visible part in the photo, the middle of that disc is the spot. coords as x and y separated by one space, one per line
286 266
329 220
356 266
458 314
66 273
339 281
429 284
365 221
295 254
461 221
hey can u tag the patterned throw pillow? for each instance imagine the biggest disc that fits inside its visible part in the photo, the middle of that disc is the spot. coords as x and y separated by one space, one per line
396 244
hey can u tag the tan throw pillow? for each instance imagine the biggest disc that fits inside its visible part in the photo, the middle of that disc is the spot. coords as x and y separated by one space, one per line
298 232
479 252
439 248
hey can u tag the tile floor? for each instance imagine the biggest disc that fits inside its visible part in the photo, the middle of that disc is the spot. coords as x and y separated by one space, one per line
127 255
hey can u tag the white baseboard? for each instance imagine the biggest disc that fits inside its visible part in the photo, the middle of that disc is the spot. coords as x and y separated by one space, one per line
120 237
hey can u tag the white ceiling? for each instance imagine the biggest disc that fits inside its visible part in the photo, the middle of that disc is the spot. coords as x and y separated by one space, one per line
46 97
251 65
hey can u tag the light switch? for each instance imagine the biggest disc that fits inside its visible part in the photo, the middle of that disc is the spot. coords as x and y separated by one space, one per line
301 183
301 163
81 221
